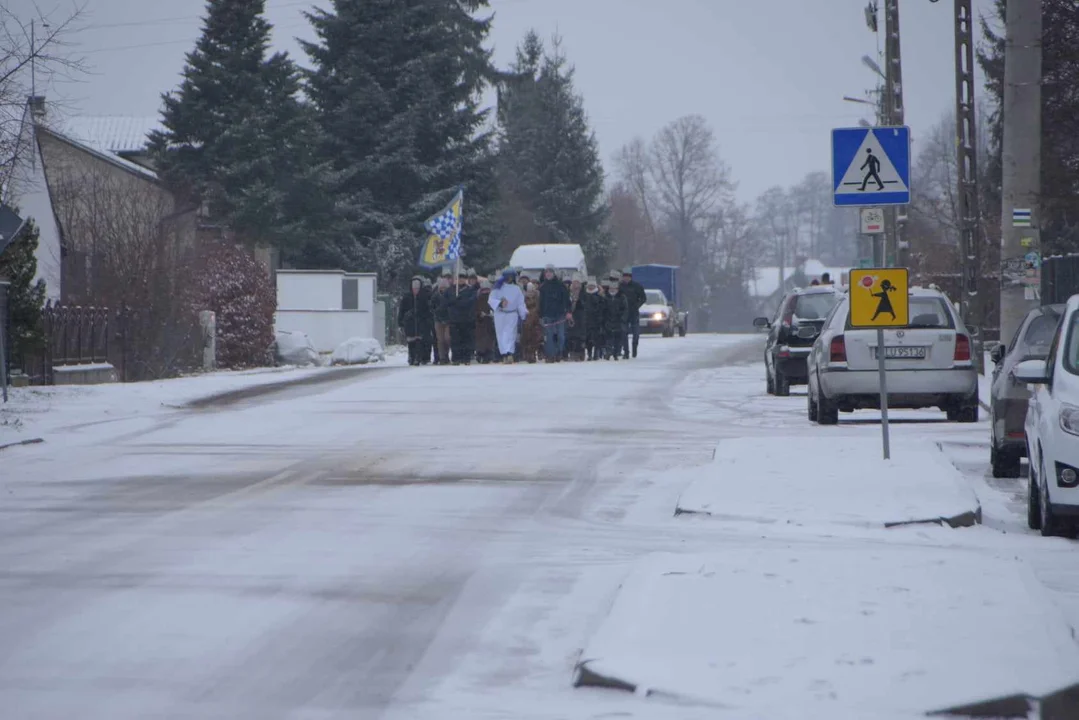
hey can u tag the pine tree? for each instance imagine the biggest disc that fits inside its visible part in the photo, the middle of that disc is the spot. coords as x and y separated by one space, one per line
237 136
26 298
397 87
549 160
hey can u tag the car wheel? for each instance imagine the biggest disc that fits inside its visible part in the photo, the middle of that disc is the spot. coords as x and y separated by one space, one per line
827 411
811 407
964 411
1034 508
1048 522
1006 463
782 384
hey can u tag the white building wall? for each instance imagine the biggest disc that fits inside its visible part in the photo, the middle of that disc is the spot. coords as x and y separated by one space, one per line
310 301
30 194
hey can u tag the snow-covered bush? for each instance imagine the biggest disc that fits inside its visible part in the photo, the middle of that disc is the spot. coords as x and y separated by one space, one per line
238 288
358 351
293 347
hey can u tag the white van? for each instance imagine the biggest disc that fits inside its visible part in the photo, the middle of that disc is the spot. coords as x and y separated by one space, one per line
567 259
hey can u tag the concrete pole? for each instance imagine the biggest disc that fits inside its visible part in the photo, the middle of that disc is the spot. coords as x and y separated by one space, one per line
894 115
1021 157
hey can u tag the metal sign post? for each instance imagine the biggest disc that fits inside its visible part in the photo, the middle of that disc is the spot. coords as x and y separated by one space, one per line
3 337
880 298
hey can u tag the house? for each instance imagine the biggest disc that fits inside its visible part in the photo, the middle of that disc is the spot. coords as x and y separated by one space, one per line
766 290
89 185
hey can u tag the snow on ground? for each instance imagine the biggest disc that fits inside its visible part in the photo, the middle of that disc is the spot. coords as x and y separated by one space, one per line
445 543
832 481
837 632
34 412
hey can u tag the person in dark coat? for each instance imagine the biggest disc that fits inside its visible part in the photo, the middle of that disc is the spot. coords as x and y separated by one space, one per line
615 321
461 305
485 324
440 311
531 329
635 298
416 321
554 313
576 327
594 309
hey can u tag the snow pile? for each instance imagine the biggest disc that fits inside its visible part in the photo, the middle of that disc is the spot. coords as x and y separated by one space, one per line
293 347
358 351
843 631
829 480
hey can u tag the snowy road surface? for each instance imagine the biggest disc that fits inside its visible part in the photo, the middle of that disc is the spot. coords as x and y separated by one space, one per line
404 543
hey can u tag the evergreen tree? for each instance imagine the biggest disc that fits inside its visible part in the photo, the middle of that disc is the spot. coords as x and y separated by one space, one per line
238 139
1060 118
549 162
26 298
397 88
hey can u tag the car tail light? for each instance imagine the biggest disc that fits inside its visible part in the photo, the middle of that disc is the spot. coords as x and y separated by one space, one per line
962 348
837 350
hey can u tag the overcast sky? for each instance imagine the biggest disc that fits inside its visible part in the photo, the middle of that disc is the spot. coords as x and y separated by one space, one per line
769 75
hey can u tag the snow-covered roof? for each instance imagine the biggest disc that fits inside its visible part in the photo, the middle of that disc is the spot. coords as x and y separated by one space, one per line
105 155
111 133
765 280
532 257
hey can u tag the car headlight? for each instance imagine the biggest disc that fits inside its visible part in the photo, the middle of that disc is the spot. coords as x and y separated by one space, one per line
659 316
1069 419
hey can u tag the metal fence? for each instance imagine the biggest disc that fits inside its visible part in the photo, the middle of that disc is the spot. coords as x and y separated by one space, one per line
139 345
1059 278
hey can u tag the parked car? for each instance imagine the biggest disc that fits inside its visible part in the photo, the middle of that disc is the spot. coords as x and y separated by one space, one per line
928 363
663 278
1008 397
1052 430
796 324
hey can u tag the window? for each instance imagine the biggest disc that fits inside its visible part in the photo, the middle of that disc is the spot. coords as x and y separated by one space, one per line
1038 335
654 297
350 294
927 312
815 306
1071 347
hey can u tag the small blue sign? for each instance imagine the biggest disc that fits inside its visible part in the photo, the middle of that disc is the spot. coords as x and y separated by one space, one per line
870 166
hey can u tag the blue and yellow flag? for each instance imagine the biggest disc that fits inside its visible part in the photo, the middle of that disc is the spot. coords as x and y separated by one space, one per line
443 244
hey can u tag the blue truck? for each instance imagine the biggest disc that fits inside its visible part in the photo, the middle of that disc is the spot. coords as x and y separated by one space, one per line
662 312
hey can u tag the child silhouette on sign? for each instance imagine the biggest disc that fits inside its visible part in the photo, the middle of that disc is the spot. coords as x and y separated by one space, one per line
885 304
873 163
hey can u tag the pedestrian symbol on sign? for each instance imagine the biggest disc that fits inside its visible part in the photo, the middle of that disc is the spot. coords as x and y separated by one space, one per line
873 164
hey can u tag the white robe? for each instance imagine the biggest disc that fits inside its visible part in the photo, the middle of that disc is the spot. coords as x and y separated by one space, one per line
508 317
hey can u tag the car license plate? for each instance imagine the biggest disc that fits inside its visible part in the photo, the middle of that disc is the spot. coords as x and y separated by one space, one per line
644 322
901 353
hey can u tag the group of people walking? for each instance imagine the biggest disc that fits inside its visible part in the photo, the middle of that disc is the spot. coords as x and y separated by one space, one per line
510 317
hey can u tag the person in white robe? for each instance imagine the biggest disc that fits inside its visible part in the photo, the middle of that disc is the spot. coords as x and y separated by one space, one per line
508 303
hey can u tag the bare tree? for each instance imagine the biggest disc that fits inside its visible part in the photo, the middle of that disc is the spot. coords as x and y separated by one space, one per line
33 51
633 165
128 247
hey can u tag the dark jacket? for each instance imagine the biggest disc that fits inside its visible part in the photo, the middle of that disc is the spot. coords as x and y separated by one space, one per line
595 312
577 328
440 307
554 299
414 314
617 312
635 295
462 305
485 322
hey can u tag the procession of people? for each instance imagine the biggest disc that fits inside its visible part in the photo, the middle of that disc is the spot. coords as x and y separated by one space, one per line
510 317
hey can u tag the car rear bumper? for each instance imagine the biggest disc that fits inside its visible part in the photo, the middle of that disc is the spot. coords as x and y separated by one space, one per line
1009 419
909 388
791 361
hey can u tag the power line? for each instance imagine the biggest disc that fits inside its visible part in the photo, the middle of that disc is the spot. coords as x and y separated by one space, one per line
178 18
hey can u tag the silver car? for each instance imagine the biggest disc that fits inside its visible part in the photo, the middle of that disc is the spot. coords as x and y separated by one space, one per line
928 363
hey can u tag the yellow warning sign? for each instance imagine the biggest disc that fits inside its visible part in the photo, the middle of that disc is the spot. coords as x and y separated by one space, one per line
879 297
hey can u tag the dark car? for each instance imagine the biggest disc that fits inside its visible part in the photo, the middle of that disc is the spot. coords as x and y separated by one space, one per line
1007 397
791 333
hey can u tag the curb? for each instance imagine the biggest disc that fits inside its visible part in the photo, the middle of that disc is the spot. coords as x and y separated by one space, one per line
31 441
231 397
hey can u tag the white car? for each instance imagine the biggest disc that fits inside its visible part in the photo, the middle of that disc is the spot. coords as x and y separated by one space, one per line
928 363
1052 430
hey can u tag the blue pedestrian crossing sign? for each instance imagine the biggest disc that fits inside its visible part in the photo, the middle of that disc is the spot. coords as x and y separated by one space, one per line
870 166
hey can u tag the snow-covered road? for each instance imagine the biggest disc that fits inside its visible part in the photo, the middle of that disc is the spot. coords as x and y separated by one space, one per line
404 543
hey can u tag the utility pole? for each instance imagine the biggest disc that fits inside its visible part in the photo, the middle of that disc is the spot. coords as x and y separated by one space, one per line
1021 158
966 142
894 112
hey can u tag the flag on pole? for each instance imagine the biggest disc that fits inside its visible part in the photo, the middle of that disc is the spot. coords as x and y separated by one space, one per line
443 244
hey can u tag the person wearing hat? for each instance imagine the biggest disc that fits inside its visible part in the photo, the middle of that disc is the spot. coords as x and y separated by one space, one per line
507 302
440 311
554 314
416 321
635 299
593 320
461 306
615 320
575 326
485 323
